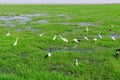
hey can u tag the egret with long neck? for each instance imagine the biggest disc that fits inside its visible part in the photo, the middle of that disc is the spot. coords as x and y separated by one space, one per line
76 62
87 29
49 53
76 40
41 34
54 38
64 39
100 36
95 39
86 38
15 43
113 38
8 34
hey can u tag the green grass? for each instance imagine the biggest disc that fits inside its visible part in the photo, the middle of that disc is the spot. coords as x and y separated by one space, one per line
26 60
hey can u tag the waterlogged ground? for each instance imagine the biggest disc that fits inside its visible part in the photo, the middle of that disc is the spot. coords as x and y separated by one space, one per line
26 60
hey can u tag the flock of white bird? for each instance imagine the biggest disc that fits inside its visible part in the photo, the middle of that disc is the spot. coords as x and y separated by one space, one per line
64 40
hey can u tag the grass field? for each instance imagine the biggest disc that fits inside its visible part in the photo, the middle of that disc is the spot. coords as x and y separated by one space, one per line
26 60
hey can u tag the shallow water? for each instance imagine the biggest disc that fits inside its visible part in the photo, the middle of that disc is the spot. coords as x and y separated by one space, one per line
70 49
28 28
63 16
31 29
33 15
86 24
19 30
19 19
79 23
42 21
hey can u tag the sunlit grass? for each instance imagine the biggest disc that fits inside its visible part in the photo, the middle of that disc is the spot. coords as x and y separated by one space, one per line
26 61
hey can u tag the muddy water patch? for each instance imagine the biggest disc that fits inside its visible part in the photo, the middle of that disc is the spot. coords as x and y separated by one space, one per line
19 19
42 21
78 24
69 49
33 15
63 16
27 28
19 30
86 24
31 29
68 24
13 20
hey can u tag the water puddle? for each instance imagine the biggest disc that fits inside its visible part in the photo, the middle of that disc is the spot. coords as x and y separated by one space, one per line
79 23
86 24
67 23
63 16
31 29
28 28
115 35
19 19
19 30
70 49
33 15
42 21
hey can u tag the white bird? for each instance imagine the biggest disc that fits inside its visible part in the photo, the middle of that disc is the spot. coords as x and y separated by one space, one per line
86 38
64 39
95 39
112 26
54 37
48 55
8 34
41 34
76 40
15 43
76 62
87 29
113 38
100 36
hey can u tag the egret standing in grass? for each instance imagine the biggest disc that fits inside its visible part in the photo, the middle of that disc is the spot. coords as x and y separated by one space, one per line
49 54
8 34
112 26
87 29
86 38
95 39
76 62
100 36
113 38
110 29
64 39
41 34
15 43
117 53
54 38
76 40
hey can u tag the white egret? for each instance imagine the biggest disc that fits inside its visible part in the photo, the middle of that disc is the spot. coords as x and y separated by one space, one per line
95 39
110 29
87 29
54 37
112 26
117 53
64 39
48 55
100 36
113 38
8 34
41 34
86 38
76 40
76 62
15 43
